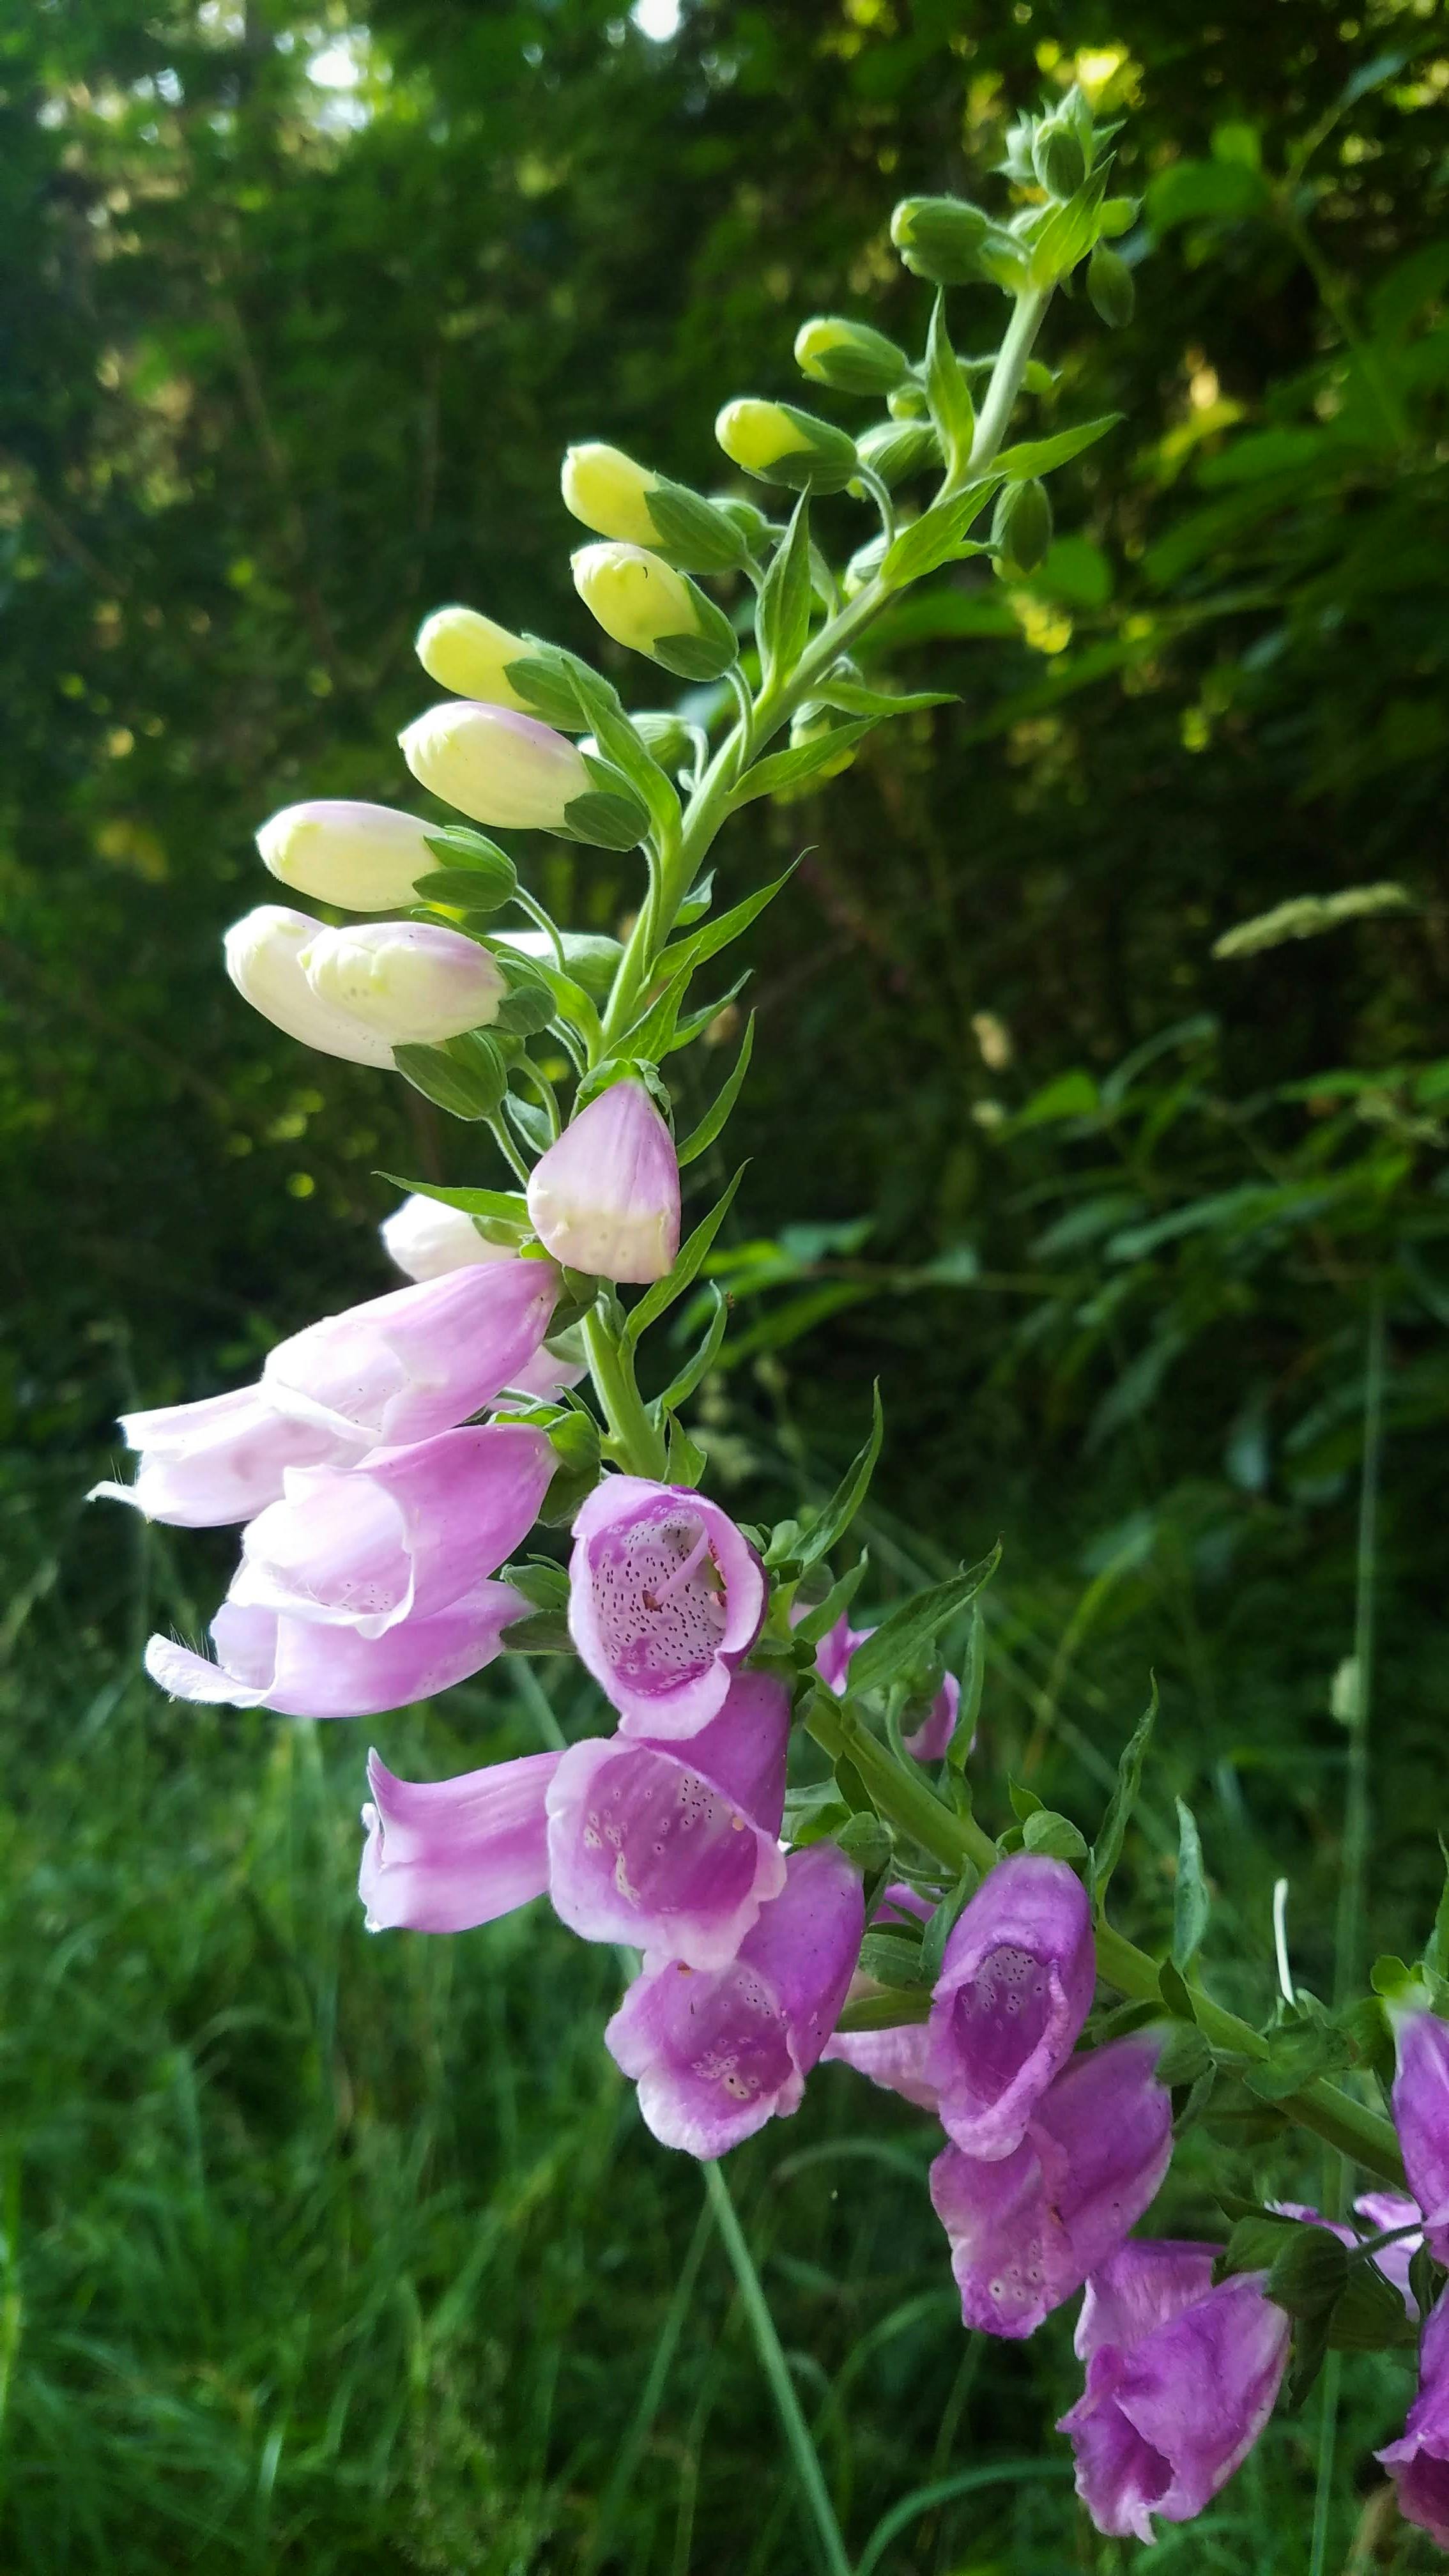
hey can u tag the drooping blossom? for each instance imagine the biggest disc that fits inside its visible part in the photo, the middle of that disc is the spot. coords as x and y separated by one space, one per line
1014 1990
444 1855
301 1668
666 1599
1027 2228
401 1535
221 1459
471 655
675 1851
427 1239
418 1360
717 2053
1181 2379
1418 2462
604 1198
928 1741
1421 2116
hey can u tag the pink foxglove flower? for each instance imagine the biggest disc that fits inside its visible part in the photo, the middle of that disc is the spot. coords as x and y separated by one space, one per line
221 1459
894 2058
1418 2462
427 1239
1390 2209
1026 2229
1421 2116
1181 2379
1015 1988
928 1741
400 1536
301 1668
418 1360
605 1198
263 953
444 1855
666 1599
675 1852
717 2054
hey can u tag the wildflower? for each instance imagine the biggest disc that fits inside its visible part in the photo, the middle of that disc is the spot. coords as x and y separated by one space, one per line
367 858
221 1459
1418 2462
417 1361
778 444
301 1668
666 1599
1013 1993
444 1855
470 655
1421 2116
411 983
604 1198
645 604
928 1741
264 952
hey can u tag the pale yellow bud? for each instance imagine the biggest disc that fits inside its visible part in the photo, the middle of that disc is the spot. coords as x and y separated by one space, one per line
494 765
263 958
648 606
607 490
413 982
367 858
469 654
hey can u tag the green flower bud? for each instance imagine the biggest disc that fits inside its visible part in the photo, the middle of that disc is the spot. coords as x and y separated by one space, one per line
863 566
467 653
778 444
897 449
1117 215
1021 527
940 238
609 492
808 724
667 736
908 402
648 606
1018 164
1058 158
1111 287
849 356
752 524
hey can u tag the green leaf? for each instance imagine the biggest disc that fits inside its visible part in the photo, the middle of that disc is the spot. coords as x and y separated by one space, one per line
466 1076
817 1623
461 889
1190 1902
1369 2315
1067 1095
947 393
685 1459
1308 2272
1069 231
682 1386
653 1032
697 657
891 1959
712 936
605 821
1107 1850
853 698
1054 1836
1186 190
510 1205
529 1122
832 1523
1024 1801
1254 2245
973 1676
541 675
701 1137
1174 1993
939 535
694 1023
657 1300
620 744
1038 455
525 1011
782 617
793 767
1298 2053
907 1632
944 1920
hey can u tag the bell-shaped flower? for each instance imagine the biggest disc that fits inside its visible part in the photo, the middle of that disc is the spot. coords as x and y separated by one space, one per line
221 1459
675 1852
364 858
418 1360
499 767
666 1598
928 1741
1026 2229
302 1668
444 1855
1418 2462
471 655
412 983
1421 2116
716 2053
1014 1990
649 607
604 1198
264 960
399 1536
1181 2379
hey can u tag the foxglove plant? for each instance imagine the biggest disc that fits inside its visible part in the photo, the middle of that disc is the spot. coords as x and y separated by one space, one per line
781 1818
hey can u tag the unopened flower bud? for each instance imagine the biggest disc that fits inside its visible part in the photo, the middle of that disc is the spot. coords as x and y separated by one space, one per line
778 444
897 449
908 402
813 723
609 492
469 654
264 960
412 982
494 765
850 356
667 736
644 603
605 1198
428 1239
1111 286
940 238
367 858
1021 527
752 524
1058 158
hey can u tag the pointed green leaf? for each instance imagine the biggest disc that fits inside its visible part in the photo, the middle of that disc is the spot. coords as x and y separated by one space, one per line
909 1631
817 1623
802 761
510 1205
466 1076
952 409
694 1023
712 936
700 1138
657 1300
829 1529
853 698
782 618
1190 1902
1107 1850
681 1387
1038 455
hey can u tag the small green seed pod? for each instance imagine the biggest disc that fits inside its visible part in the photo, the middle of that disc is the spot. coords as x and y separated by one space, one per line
1021 527
849 356
1111 287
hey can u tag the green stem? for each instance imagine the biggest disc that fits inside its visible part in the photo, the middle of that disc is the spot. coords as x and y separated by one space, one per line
777 2370
638 1447
911 1803
1323 2478
1006 381
1353 1873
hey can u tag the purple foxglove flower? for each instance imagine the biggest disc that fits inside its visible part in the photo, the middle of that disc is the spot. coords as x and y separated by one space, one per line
444 1855
605 1197
418 1360
222 1459
665 1600
675 1852
832 1662
1181 2379
400 1536
301 1668
1421 2116
1026 2229
1014 1990
1418 2462
716 2054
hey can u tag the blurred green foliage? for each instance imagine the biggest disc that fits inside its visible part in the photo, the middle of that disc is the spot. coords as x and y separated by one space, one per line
326 2254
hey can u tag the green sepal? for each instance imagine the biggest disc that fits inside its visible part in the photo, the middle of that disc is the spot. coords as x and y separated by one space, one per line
1054 1836
867 1842
1309 2273
461 889
541 1632
605 821
944 1920
819 1621
692 532
885 2012
948 394
599 703
782 613
685 1457
541 676
575 1444
682 1386
466 1075
891 1958
1183 2057
543 1584
1298 2053
1069 232
702 656
1174 1992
